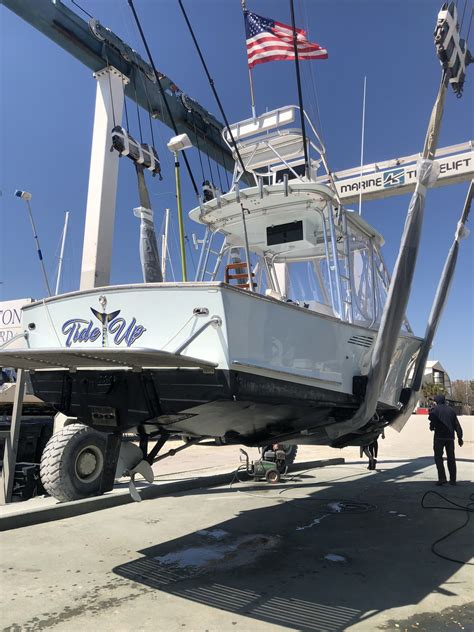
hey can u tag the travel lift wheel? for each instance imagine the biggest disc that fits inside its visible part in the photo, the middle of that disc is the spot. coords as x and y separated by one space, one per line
290 453
73 462
79 462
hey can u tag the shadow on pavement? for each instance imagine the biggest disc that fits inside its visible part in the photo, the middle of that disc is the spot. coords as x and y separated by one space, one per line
314 559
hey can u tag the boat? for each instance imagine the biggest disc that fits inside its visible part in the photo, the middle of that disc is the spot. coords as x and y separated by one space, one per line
271 349
273 342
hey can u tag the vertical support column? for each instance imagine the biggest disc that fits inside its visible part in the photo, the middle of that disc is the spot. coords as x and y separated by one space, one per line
164 244
281 272
182 246
11 441
103 175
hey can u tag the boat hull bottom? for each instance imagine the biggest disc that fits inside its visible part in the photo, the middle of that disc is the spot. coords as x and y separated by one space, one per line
234 406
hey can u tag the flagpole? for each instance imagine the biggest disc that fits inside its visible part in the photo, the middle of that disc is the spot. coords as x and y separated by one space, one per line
252 97
252 94
300 93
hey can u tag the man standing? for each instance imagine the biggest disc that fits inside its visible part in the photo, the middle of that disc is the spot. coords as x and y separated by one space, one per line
444 422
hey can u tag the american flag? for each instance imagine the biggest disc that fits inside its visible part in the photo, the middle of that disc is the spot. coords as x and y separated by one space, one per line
268 40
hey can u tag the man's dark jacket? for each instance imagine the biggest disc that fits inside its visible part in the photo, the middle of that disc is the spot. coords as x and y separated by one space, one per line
444 422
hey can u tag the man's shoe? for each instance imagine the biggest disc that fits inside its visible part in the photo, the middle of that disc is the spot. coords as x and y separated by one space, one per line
452 482
439 483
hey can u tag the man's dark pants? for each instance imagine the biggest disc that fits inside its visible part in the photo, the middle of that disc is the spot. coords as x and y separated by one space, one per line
439 445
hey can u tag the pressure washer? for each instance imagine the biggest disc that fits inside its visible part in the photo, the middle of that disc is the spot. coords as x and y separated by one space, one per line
271 467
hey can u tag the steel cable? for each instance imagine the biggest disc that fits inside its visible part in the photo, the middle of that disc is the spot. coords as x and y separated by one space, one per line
162 92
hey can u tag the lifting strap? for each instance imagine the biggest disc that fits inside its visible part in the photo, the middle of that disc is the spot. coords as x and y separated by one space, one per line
149 253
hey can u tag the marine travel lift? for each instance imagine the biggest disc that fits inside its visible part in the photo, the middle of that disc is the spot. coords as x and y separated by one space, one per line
116 67
120 70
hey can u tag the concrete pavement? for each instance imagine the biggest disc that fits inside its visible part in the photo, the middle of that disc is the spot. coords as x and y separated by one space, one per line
339 548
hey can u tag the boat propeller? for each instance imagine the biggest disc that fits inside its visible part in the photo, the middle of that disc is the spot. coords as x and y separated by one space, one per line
144 469
130 463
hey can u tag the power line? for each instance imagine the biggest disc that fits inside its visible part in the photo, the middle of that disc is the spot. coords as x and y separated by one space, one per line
83 10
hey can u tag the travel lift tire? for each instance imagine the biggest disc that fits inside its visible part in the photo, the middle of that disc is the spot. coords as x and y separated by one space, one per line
290 453
72 463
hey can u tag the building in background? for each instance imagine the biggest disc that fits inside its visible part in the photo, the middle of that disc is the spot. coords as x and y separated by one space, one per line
435 381
436 374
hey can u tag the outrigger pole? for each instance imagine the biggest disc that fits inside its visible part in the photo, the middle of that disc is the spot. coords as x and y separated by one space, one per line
454 58
252 94
442 292
300 92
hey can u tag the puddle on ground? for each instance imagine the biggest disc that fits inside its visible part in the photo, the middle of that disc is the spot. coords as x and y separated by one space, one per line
216 534
315 522
227 552
334 557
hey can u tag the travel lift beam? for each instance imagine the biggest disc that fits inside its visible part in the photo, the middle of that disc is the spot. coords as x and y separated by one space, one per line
398 176
118 70
98 47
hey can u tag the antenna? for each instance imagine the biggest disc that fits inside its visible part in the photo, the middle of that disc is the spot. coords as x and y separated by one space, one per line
24 195
362 147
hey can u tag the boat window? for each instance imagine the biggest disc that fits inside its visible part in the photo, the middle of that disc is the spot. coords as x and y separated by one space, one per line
327 279
260 272
308 284
299 170
363 298
382 282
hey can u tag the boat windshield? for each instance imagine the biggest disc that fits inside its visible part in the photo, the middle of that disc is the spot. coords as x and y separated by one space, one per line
308 285
354 289
362 268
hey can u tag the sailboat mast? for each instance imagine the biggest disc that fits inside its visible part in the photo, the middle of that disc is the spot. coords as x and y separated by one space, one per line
61 254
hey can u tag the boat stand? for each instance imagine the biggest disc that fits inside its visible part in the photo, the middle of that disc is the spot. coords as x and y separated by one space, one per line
11 441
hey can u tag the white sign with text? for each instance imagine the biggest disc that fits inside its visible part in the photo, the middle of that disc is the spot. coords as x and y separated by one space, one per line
10 321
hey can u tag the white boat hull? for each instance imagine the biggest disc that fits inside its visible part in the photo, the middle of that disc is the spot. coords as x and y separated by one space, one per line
268 368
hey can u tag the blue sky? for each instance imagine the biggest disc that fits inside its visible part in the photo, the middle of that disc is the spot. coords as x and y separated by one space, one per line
47 103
